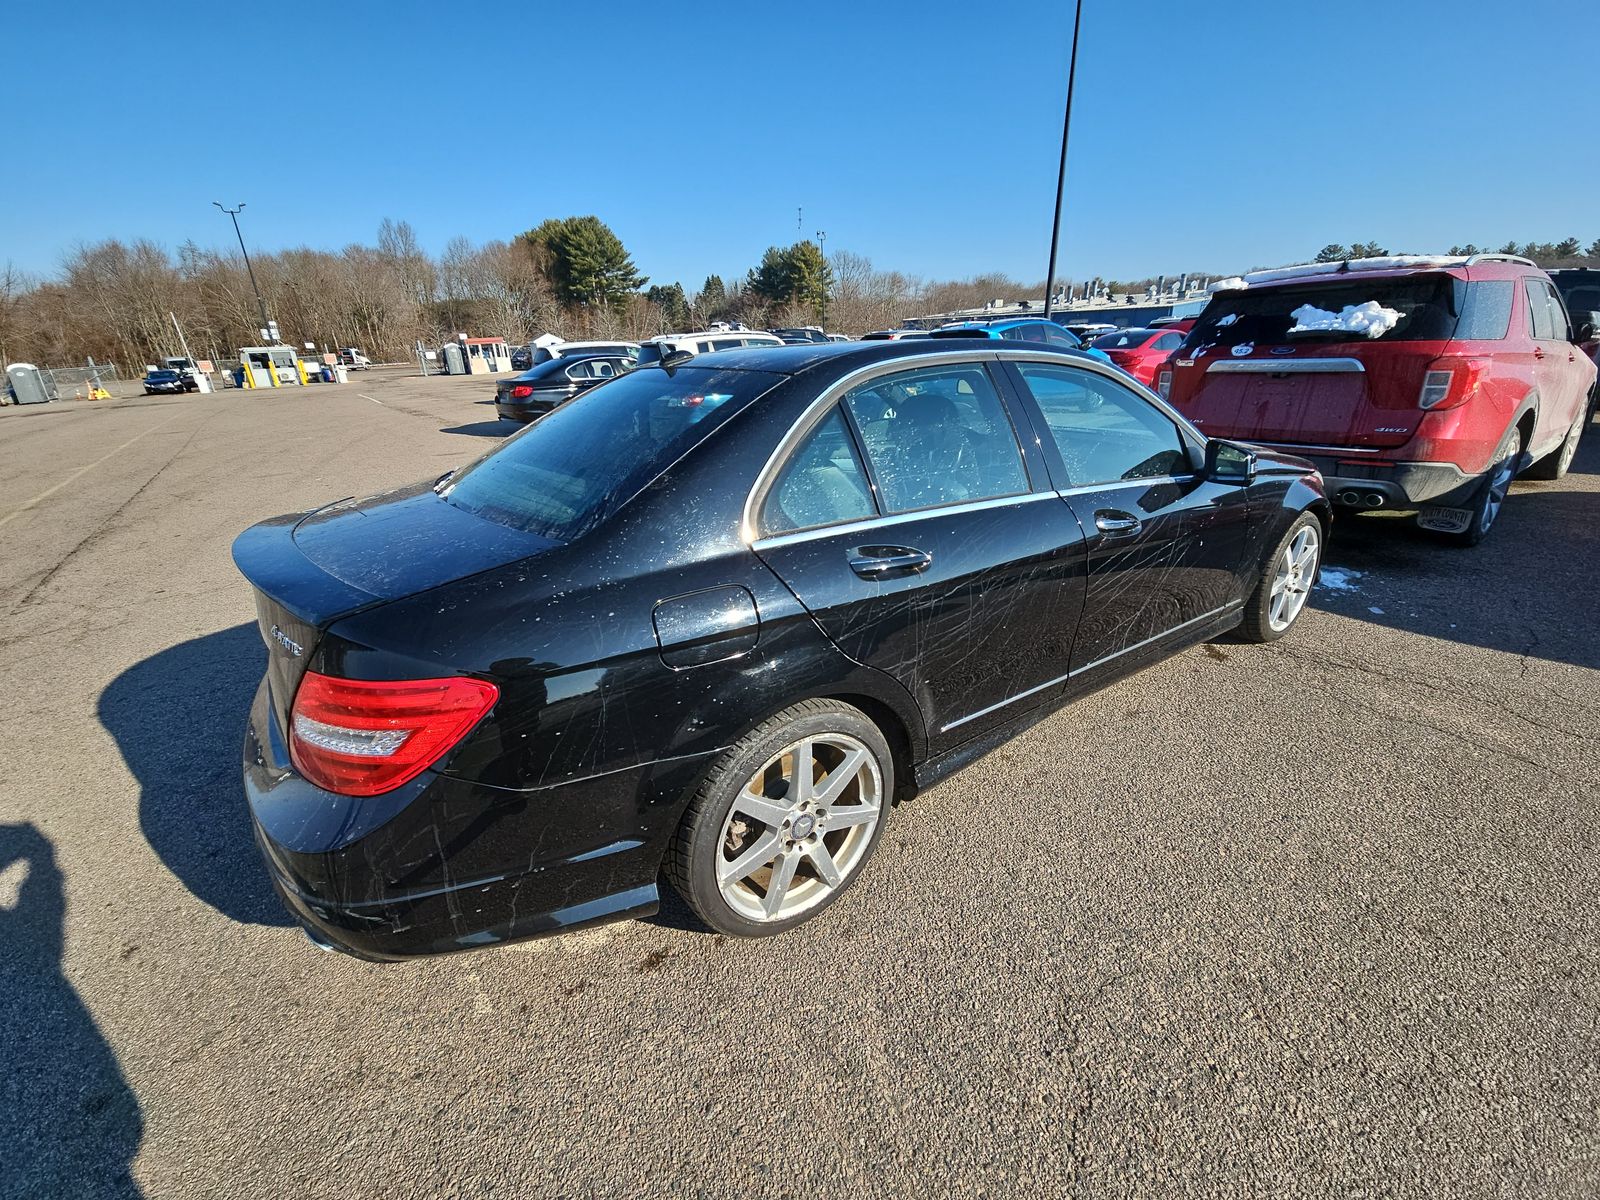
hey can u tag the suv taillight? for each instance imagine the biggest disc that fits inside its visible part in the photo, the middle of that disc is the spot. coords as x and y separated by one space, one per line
1451 381
1164 383
521 392
360 737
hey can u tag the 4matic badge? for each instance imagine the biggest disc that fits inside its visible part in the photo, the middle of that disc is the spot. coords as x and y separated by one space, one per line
287 642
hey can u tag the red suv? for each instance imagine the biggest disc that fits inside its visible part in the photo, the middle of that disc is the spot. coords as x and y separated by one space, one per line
1410 382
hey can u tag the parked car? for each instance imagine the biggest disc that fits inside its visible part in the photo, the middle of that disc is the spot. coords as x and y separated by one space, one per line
799 336
1580 292
1019 329
1087 331
1181 324
354 359
1414 382
1139 352
166 381
717 619
705 342
893 335
531 356
539 390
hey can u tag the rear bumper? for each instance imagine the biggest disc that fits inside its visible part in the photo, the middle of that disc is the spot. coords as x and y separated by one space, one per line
522 413
1384 484
441 864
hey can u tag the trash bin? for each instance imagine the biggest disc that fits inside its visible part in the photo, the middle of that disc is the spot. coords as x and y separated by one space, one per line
327 373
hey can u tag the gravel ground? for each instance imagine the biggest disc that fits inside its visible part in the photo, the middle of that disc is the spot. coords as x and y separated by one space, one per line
1311 919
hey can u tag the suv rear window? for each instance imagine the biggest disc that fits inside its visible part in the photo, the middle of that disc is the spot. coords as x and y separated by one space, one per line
1429 308
568 472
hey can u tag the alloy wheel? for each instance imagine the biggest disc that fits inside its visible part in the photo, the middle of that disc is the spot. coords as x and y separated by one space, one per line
1293 575
1499 485
799 827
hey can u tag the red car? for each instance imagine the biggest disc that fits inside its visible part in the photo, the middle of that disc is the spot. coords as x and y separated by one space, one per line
1140 352
1411 382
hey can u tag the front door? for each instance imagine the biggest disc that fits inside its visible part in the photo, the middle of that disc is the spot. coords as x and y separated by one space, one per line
908 525
1164 543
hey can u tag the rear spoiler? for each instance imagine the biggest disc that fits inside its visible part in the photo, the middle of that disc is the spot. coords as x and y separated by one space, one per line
267 556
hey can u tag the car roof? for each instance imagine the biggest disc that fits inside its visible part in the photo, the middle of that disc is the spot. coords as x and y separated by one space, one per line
697 334
849 356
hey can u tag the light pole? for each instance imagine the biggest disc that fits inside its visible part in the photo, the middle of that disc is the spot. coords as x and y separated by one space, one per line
1061 173
266 322
822 249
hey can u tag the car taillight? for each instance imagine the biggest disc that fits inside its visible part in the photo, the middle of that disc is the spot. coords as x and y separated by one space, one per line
1164 383
1451 381
360 737
521 392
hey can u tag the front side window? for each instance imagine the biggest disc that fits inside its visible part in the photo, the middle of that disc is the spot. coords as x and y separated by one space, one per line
1560 327
1060 337
939 435
823 482
1106 434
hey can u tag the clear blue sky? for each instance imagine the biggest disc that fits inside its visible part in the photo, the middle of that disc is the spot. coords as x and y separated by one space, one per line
1206 136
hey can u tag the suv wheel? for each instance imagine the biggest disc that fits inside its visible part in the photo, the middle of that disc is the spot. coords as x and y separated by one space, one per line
785 821
1554 465
1491 494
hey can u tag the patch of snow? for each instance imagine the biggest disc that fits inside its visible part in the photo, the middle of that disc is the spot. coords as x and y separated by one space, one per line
1227 320
1371 318
1373 608
1231 284
1338 579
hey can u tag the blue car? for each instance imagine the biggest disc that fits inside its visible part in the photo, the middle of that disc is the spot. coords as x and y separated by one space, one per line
1022 329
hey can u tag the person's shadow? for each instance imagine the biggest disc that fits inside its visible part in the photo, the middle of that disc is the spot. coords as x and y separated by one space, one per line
178 718
72 1123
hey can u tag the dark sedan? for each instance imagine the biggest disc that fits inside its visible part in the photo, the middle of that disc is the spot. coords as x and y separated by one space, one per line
715 620
539 390
167 383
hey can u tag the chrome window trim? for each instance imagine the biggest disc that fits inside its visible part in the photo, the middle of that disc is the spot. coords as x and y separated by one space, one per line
749 523
794 536
1287 366
1059 679
1079 489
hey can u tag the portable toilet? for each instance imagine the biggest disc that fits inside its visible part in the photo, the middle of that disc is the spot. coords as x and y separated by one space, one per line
454 361
29 385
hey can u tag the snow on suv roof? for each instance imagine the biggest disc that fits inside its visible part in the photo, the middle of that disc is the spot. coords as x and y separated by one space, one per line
1388 262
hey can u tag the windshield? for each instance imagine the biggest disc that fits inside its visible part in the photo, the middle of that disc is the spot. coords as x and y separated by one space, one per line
565 474
1407 308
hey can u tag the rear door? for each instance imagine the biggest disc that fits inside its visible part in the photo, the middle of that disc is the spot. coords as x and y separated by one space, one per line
1164 543
1555 373
927 544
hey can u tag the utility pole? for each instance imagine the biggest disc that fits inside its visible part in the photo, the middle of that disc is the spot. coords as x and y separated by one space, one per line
1061 173
822 243
266 322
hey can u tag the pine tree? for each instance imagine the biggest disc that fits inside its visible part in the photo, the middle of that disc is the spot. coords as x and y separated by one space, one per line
585 260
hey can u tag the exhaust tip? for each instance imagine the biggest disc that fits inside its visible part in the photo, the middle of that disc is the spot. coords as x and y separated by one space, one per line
1348 498
1376 499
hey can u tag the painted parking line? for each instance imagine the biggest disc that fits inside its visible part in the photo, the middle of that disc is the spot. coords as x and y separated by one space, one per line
51 491
374 399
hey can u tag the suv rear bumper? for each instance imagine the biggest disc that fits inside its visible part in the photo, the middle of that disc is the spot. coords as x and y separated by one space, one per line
1384 484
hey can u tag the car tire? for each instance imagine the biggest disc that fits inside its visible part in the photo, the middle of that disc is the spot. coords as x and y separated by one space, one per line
1554 465
758 851
1490 497
1286 581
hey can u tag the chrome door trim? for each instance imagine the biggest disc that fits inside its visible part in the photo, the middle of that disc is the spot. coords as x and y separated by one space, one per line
866 524
1287 366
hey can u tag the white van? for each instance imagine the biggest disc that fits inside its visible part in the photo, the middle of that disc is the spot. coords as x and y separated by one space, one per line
653 350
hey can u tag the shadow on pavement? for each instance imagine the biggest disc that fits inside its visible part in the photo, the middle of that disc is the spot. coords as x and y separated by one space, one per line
72 1123
1530 588
178 718
483 429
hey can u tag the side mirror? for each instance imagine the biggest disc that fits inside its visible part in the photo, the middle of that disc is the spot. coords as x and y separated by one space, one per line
1588 327
1228 463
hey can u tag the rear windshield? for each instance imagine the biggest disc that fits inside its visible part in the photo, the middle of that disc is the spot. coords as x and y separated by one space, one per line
567 473
1123 339
1408 308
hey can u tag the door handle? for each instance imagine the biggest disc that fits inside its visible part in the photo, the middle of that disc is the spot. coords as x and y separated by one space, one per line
1113 522
1537 352
875 562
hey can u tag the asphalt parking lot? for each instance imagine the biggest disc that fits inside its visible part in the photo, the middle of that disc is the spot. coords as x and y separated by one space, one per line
1312 919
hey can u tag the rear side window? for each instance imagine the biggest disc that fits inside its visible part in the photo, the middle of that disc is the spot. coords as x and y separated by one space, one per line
1024 333
1105 433
823 483
1540 324
568 472
1486 315
939 435
1056 336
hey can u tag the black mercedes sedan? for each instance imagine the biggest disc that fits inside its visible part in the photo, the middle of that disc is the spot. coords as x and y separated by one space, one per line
538 390
711 621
